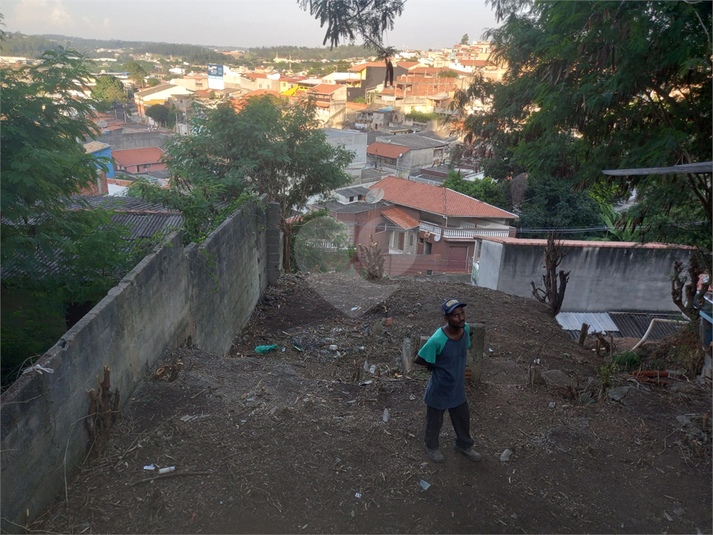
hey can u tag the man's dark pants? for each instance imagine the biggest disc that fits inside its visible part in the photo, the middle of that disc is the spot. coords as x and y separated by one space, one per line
460 417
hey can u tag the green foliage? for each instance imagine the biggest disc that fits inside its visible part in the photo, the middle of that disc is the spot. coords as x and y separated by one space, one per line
464 40
28 46
423 117
348 19
607 376
52 255
152 82
487 190
158 112
320 243
109 89
135 70
302 53
627 360
597 85
267 148
555 204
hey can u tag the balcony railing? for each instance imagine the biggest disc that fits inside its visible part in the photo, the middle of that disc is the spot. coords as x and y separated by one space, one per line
464 233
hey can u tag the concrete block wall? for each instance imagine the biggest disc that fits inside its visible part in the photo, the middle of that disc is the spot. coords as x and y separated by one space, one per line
203 294
604 276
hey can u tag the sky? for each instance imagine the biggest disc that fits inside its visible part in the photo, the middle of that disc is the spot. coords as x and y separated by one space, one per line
424 24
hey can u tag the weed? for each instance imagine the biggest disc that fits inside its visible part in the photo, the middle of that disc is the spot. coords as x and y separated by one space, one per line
627 360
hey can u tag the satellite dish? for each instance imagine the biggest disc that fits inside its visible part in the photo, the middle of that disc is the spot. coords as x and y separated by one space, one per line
436 237
374 195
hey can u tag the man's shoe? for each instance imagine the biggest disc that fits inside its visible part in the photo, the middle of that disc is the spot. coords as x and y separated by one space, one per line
470 453
435 455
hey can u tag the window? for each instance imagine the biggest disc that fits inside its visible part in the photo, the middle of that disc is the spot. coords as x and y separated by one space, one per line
351 199
410 240
401 241
427 248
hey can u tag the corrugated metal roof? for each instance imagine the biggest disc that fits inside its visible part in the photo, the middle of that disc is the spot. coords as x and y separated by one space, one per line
619 324
599 322
633 325
147 225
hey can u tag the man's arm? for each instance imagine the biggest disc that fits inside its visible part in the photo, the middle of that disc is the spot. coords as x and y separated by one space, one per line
421 362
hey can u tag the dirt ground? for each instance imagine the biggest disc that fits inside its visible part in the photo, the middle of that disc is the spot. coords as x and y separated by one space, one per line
308 439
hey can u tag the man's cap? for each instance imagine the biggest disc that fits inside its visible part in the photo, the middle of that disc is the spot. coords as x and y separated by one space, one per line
450 305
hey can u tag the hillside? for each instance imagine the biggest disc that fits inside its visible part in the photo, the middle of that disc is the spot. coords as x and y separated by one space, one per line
305 439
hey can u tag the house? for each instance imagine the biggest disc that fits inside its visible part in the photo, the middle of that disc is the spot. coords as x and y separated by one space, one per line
406 152
420 228
330 101
372 75
157 95
352 140
100 150
139 160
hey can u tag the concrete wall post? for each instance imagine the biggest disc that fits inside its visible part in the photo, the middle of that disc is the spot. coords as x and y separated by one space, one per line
476 351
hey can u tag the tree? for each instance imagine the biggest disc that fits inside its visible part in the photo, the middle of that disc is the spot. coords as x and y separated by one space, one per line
464 40
554 283
554 205
348 19
159 113
599 85
110 90
268 147
52 257
136 71
487 189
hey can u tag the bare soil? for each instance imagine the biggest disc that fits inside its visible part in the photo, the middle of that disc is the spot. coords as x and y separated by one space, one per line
305 439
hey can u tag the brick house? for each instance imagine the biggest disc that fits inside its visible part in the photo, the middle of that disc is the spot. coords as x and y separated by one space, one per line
420 228
139 160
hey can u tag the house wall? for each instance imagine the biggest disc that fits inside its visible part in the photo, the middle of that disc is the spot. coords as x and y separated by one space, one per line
623 277
166 300
351 140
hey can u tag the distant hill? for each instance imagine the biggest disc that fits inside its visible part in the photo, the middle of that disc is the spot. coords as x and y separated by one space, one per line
32 46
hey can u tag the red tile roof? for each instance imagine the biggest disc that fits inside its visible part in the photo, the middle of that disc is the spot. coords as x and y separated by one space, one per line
474 62
362 66
357 105
388 150
436 199
407 64
401 218
130 157
326 89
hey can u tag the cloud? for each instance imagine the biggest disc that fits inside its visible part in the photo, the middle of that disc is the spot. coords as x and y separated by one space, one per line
43 15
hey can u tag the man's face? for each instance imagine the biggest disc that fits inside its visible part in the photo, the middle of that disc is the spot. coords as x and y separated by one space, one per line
456 319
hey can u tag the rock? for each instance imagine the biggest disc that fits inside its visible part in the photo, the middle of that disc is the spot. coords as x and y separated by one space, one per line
556 378
505 456
683 388
586 399
333 347
619 393
683 420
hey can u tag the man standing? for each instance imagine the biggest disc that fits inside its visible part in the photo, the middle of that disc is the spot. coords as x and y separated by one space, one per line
445 354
